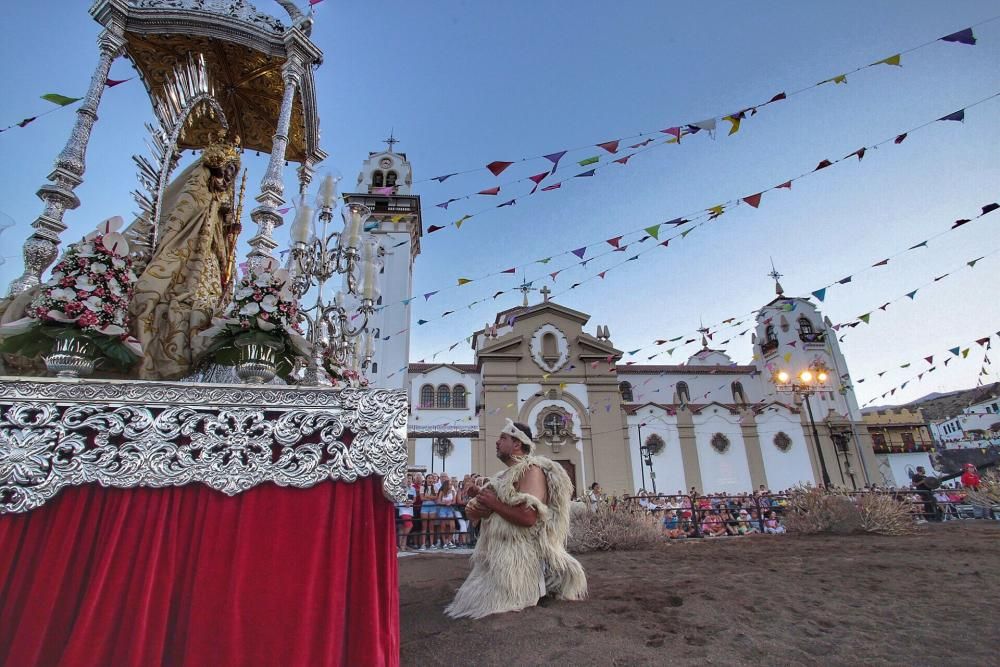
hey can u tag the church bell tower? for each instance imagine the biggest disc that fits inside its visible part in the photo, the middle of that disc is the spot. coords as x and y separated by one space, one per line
384 187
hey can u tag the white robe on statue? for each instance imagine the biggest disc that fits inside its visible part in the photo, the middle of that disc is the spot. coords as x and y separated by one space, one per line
514 566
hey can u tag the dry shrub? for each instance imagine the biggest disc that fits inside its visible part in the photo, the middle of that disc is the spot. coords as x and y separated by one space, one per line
609 530
988 494
883 514
813 510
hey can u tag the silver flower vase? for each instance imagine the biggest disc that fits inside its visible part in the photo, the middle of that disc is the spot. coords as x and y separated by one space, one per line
257 364
71 358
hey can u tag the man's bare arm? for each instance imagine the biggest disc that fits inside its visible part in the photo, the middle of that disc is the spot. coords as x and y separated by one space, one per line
532 483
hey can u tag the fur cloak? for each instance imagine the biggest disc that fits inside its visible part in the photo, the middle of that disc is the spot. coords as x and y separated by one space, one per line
514 566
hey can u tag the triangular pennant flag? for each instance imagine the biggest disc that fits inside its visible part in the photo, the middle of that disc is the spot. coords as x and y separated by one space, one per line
961 37
665 243
820 294
882 263
884 305
989 208
111 83
891 60
942 277
442 179
61 100
972 263
956 115
653 231
556 186
959 223
406 302
622 160
614 242
840 78
787 185
458 223
900 139
497 167
583 174
844 281
715 211
490 191
641 143
633 257
590 160
536 179
823 165
434 228
912 294
922 244
554 159
609 146
955 350
860 153
580 252
507 203
686 232
864 318
421 322
430 294
753 200
554 274
735 120
965 353
464 281
929 359
708 124
983 341
788 357
447 313
513 270
545 261
778 97
601 274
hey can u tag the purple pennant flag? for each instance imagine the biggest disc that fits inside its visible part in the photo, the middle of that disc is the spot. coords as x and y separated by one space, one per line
430 294
507 203
958 115
580 252
442 179
554 159
589 172
962 37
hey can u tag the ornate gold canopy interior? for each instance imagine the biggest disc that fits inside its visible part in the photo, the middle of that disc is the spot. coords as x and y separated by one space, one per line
247 83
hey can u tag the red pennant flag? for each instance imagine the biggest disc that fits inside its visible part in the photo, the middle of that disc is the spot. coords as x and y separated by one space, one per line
537 178
860 153
497 167
787 185
665 243
27 120
434 228
601 274
490 191
622 160
778 97
673 131
753 200
514 270
111 83
609 146
823 165
959 223
929 359
554 274
900 139
552 187
882 263
984 340
614 241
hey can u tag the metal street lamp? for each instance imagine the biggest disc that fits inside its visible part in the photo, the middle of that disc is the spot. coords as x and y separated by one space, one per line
808 382
647 459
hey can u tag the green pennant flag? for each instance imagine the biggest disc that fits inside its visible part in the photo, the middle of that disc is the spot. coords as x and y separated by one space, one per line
972 264
61 100
421 321
589 160
670 352
686 232
864 318
672 340
654 231
545 261
965 353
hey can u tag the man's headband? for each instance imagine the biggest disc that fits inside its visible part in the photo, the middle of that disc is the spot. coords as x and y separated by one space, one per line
517 434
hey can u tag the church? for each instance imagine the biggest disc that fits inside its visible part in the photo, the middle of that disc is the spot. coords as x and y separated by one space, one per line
790 417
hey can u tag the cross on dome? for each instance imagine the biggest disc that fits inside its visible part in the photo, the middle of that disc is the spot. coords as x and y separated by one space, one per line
774 274
391 141
525 287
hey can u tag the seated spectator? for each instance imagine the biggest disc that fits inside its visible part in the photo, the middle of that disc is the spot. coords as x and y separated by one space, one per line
712 525
730 522
772 526
672 525
746 525
754 523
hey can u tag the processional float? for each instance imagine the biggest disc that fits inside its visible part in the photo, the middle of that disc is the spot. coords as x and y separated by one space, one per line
177 520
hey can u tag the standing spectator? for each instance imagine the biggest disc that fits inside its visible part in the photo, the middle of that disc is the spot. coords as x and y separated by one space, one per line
446 513
428 512
970 477
405 510
594 497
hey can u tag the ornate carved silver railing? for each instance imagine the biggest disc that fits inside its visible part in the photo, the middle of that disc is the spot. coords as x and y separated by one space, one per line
59 433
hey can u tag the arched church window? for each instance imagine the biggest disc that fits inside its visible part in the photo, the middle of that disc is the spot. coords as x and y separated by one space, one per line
683 393
805 326
390 179
626 390
769 334
550 348
739 397
378 180
427 396
553 424
458 397
444 396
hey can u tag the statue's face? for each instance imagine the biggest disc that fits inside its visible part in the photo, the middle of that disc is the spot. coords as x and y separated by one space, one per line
221 179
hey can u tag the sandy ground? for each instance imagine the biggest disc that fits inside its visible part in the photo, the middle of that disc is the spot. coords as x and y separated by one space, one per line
928 599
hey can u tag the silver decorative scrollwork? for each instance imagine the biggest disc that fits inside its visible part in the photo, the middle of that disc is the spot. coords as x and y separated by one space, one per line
126 434
240 10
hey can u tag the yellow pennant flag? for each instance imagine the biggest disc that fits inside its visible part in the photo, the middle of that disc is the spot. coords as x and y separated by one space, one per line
965 353
788 357
464 281
715 211
396 218
562 386
545 376
458 223
735 120
891 60
840 78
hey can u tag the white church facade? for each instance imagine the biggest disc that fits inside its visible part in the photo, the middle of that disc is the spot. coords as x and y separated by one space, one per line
707 424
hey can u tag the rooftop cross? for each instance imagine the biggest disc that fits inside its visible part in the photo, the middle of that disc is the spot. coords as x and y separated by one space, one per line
774 274
703 330
391 141
545 292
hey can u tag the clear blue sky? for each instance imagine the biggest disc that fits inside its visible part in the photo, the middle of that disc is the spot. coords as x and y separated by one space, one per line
466 83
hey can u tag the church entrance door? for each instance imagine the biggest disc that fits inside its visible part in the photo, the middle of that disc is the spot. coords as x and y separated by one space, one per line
570 469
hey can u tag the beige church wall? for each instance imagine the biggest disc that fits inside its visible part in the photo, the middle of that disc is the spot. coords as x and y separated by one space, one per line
661 388
669 464
726 472
784 469
574 452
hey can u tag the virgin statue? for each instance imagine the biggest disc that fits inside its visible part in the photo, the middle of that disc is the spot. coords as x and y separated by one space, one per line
186 280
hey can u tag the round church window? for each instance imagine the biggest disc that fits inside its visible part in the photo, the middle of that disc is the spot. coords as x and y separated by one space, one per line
720 443
782 441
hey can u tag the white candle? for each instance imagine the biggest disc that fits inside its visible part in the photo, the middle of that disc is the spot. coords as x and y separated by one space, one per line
369 343
328 191
302 226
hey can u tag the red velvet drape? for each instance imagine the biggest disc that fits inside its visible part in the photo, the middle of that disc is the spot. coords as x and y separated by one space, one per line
189 576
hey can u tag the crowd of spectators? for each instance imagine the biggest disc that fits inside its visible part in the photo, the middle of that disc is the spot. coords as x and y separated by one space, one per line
433 515
685 515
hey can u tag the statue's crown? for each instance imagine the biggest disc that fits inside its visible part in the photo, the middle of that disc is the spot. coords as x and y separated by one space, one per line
219 153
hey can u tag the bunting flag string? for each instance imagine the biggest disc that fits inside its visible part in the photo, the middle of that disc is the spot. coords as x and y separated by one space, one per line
61 101
693 221
964 36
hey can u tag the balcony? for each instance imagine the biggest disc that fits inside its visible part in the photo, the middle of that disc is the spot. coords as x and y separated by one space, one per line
769 347
813 337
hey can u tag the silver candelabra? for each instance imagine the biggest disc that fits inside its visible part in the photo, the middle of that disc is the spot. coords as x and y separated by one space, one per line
333 331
